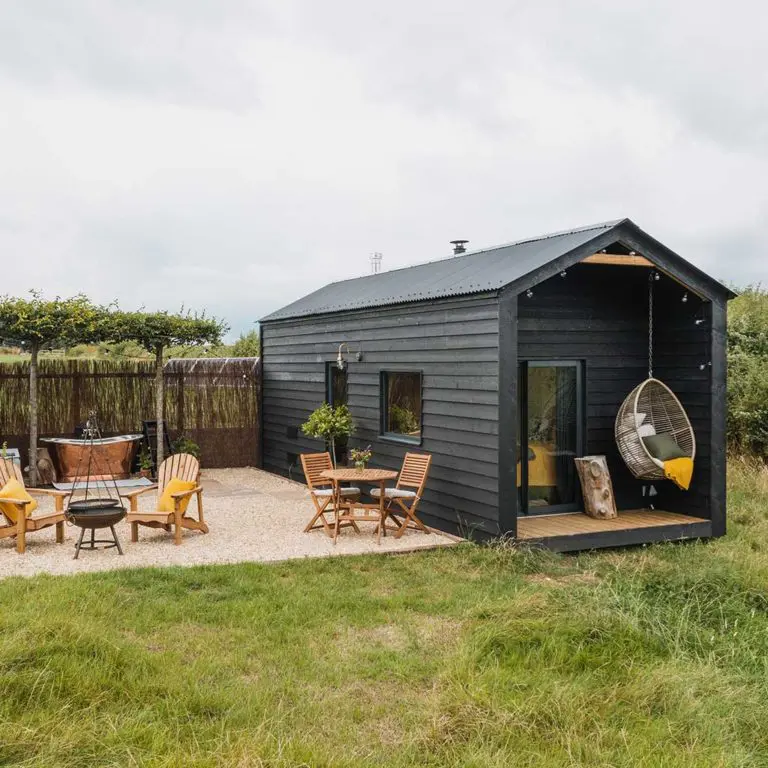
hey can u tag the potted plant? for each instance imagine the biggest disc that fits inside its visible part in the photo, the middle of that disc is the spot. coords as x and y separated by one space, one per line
145 462
361 456
329 424
184 444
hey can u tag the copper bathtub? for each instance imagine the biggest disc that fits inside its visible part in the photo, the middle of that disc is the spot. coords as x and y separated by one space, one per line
112 456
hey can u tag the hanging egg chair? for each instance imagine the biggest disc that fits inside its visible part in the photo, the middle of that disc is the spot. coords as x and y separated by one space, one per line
651 409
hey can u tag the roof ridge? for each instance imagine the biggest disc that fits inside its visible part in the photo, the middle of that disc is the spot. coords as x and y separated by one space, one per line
485 269
550 235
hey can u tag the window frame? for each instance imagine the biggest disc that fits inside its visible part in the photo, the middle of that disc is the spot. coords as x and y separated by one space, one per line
330 366
396 437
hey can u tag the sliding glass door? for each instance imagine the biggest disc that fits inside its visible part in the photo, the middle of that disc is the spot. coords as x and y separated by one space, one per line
550 435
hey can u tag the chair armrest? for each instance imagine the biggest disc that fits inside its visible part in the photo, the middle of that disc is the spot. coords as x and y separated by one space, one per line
48 492
184 494
17 502
139 491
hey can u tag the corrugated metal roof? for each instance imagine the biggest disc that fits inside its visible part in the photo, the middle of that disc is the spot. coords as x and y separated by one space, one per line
474 272
480 271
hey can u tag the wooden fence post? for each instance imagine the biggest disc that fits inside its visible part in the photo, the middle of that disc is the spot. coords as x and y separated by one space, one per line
76 394
180 402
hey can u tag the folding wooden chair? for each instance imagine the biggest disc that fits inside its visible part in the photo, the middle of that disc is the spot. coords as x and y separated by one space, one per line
14 511
404 498
321 491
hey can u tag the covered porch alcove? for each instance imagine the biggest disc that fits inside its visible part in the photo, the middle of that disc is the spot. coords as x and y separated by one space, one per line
577 345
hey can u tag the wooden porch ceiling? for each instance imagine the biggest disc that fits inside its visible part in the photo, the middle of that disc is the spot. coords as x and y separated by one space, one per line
630 260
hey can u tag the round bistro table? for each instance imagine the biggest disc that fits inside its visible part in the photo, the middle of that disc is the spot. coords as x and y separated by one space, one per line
373 477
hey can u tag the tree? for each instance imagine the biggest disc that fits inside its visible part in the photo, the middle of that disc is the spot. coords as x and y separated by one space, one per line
37 323
329 424
155 332
246 346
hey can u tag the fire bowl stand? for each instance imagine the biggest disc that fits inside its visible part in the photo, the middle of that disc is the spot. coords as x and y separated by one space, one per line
90 514
109 544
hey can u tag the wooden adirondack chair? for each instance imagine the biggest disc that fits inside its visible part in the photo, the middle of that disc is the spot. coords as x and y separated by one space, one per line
17 522
182 466
403 500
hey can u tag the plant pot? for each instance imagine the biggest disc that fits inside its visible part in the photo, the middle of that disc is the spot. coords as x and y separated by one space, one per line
147 473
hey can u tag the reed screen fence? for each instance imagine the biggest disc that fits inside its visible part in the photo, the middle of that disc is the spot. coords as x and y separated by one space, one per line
215 402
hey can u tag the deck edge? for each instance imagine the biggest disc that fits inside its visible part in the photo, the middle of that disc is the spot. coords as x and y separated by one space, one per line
625 537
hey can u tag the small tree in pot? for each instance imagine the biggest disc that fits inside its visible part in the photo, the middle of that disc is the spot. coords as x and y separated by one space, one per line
329 424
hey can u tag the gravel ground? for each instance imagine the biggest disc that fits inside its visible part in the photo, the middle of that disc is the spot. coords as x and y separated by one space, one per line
254 516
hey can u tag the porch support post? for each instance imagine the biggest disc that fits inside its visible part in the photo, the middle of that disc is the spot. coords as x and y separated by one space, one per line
717 446
508 413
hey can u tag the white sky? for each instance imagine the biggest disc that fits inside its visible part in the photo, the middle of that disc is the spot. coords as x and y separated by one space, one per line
232 155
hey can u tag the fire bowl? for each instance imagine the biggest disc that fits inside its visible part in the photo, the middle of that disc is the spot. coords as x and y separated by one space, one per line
91 514
95 513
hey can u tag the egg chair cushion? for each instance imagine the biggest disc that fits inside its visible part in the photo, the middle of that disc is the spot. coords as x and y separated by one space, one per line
646 430
663 447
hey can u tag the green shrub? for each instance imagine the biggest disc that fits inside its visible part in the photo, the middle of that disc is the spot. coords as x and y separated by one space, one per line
748 372
403 420
128 349
247 345
184 444
85 350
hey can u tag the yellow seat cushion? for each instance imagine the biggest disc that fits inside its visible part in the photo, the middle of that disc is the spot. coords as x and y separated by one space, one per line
13 489
165 502
679 471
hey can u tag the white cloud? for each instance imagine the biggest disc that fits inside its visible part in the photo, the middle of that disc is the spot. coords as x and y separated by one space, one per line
235 161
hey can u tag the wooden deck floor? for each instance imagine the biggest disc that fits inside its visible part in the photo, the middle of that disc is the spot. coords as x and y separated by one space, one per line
578 524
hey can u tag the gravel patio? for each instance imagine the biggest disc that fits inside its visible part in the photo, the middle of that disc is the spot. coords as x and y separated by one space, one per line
254 516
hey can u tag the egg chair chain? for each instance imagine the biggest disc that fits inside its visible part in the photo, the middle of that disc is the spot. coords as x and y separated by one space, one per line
651 279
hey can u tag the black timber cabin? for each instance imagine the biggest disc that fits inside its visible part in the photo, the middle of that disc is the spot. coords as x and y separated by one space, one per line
538 342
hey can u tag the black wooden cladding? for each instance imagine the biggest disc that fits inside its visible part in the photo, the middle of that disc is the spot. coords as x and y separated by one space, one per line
718 378
453 343
681 347
468 350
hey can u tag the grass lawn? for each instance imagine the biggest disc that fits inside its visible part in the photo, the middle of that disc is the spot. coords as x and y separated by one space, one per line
474 656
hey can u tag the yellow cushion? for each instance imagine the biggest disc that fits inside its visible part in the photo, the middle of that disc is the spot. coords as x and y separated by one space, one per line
165 503
679 471
13 489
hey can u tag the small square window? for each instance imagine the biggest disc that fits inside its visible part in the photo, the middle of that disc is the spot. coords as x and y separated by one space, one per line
401 406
